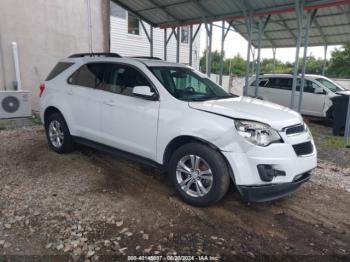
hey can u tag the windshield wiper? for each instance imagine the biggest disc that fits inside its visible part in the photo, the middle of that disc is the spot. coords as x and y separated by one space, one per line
200 98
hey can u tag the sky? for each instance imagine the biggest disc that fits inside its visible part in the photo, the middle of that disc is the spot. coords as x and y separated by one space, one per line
236 44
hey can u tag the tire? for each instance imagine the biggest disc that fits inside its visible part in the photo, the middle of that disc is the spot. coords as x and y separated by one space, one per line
66 144
209 160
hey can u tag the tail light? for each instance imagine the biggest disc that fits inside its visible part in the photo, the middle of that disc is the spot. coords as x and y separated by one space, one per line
41 89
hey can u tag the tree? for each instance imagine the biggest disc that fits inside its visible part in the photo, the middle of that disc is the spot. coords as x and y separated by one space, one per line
339 64
313 65
235 66
277 66
215 62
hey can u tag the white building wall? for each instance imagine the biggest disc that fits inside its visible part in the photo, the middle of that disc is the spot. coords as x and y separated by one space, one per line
45 32
138 45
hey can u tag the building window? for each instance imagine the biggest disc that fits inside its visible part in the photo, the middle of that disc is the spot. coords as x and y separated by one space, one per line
133 24
184 34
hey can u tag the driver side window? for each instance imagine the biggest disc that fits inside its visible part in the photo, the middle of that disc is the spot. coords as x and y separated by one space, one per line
309 86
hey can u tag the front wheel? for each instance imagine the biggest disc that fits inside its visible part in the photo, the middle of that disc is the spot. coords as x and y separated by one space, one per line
199 174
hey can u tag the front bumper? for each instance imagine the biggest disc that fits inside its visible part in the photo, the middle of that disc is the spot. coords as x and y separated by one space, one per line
293 167
270 192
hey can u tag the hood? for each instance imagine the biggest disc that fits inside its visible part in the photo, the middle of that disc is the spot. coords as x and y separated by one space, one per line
248 108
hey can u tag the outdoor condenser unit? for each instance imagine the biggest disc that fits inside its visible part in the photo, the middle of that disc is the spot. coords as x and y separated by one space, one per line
14 104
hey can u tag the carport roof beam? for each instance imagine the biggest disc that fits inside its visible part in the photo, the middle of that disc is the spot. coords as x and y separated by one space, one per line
186 12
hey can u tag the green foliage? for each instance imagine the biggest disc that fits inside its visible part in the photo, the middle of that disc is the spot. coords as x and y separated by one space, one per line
278 67
313 65
235 66
215 62
339 64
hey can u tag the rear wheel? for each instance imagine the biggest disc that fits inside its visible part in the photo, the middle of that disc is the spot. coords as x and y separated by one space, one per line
199 174
58 135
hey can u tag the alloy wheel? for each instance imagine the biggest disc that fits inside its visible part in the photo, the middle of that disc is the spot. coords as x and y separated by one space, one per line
194 175
56 134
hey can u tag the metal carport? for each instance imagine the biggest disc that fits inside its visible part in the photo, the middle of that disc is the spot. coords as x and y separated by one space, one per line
264 23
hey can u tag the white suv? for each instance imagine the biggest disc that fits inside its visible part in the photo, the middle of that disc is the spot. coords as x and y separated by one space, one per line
169 115
318 91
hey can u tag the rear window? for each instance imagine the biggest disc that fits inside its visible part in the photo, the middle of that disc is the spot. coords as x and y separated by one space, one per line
58 69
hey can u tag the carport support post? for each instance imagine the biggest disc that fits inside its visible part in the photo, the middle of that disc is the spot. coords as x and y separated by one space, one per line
177 44
191 46
222 52
210 38
192 38
274 58
165 43
151 41
299 6
223 37
261 28
258 58
306 43
248 23
324 60
253 60
149 36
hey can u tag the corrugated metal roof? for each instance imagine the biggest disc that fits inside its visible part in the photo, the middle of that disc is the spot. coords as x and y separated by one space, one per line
331 24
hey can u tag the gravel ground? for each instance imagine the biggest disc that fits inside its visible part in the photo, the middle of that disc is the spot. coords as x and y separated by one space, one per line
90 205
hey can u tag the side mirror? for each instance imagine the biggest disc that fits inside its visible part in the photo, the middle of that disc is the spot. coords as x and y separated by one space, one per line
319 90
144 92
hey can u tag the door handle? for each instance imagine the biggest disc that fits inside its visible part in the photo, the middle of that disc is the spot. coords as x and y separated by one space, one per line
109 103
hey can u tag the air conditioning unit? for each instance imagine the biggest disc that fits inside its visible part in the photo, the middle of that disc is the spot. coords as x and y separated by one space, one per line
14 104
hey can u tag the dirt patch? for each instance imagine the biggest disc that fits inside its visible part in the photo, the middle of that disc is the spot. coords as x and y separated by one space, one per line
89 204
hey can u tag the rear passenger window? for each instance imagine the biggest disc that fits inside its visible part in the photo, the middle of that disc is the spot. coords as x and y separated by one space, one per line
58 69
262 82
280 83
89 75
121 79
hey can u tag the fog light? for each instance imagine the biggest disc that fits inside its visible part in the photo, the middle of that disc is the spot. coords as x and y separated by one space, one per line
267 172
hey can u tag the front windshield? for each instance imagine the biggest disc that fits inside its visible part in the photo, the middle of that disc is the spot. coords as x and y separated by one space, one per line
330 85
187 85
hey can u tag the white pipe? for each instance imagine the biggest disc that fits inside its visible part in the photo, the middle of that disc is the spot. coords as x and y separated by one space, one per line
16 63
89 25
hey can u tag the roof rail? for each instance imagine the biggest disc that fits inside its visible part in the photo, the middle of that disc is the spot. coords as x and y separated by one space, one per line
147 57
94 54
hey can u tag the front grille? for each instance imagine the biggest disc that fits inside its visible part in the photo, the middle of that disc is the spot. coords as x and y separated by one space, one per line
295 129
303 148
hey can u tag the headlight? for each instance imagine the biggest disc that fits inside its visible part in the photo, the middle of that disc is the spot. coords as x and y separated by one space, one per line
257 133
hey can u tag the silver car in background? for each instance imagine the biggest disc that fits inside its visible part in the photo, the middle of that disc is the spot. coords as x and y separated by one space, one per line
318 91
